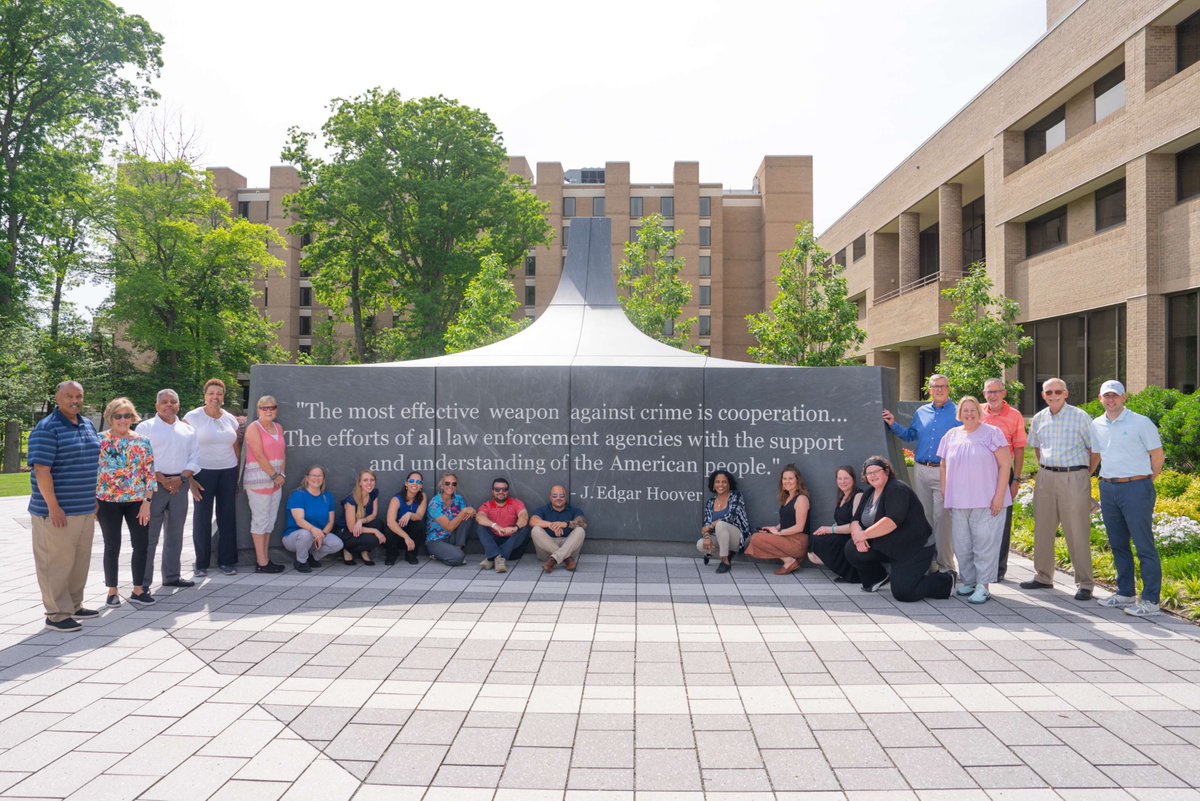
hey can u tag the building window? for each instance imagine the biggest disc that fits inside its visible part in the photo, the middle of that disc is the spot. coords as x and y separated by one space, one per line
1046 232
974 232
668 328
705 325
597 207
929 251
860 247
305 240
705 236
305 327
840 257
1110 205
635 207
633 233
530 264
565 236
1187 42
591 176
306 296
266 296
1084 350
705 265
705 206
305 350
1110 93
667 207
244 209
530 295
568 207
1046 134
1187 173
705 295
929 363
1183 339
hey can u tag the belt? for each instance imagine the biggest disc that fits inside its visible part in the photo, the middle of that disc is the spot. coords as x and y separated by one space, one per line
1125 480
1071 469
172 475
927 464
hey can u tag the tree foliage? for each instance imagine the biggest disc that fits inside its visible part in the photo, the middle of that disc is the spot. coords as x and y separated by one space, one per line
983 339
654 293
184 272
487 311
413 194
71 71
811 322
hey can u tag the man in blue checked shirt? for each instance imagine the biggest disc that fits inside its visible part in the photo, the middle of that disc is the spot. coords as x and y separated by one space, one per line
929 425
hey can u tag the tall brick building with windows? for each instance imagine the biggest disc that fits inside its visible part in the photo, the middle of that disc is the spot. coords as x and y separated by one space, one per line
731 243
1075 175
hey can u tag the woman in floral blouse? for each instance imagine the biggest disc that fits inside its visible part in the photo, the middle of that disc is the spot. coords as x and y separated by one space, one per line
124 487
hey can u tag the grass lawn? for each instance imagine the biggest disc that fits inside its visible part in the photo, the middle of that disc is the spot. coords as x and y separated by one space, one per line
14 484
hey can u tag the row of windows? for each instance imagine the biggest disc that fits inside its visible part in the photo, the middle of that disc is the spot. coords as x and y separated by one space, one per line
1050 132
1183 342
705 234
974 242
666 206
1084 350
531 300
1050 230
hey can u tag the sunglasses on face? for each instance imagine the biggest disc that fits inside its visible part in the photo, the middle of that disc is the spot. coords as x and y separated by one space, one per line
450 483
415 481
267 408
123 416
500 490
1054 391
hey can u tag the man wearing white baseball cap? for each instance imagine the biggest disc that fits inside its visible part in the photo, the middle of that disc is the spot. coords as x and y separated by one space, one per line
1127 447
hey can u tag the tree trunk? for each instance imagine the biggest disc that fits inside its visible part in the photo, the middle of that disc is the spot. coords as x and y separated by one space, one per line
12 446
360 340
56 305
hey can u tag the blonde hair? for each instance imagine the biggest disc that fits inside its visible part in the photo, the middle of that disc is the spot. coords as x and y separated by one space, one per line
304 478
115 405
360 502
967 399
266 400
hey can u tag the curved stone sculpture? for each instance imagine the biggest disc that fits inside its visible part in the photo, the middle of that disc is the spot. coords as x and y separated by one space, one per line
582 398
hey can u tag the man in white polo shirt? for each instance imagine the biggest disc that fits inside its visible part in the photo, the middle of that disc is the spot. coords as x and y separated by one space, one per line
1127 447
176 454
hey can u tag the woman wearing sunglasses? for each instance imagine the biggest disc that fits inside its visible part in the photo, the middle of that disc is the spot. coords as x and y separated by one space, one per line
406 520
446 529
263 480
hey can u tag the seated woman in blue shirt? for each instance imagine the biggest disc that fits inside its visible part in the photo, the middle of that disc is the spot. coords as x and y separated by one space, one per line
311 511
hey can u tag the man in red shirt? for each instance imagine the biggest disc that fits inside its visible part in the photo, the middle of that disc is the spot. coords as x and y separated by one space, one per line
503 527
998 413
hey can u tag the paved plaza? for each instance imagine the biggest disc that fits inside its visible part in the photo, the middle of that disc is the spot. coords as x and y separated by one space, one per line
632 679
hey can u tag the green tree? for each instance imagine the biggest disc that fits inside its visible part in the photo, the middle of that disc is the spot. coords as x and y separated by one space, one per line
811 322
983 340
184 271
487 311
654 293
413 194
71 71
23 384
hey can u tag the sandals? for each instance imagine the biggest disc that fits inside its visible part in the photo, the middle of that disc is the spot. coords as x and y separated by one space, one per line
785 570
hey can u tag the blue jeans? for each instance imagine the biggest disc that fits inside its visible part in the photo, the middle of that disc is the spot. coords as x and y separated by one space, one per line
1128 511
494 546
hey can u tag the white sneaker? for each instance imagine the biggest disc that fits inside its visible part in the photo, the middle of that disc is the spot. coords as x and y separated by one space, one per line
486 564
1117 601
1143 609
501 567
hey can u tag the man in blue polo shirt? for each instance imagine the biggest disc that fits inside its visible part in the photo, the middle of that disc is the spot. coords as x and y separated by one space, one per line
929 425
558 531
64 452
1130 454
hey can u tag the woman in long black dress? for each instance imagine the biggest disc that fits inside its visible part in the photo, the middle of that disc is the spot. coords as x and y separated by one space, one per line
828 543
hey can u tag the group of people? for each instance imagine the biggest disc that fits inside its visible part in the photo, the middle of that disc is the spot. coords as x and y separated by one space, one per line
967 463
968 458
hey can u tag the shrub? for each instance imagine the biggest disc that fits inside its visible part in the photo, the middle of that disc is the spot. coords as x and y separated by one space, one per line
1172 484
1154 402
1180 432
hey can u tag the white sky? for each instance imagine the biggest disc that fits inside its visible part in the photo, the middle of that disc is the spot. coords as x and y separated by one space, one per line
858 84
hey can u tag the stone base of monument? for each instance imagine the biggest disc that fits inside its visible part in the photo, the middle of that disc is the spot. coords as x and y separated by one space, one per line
630 426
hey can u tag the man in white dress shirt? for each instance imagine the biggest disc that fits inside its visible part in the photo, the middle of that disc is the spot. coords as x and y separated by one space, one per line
176 453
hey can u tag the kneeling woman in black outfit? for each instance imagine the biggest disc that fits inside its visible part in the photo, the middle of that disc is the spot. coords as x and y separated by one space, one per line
890 528
828 543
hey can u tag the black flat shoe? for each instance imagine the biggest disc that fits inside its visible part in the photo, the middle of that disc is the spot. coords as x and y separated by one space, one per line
411 556
389 561
723 568
347 559
366 559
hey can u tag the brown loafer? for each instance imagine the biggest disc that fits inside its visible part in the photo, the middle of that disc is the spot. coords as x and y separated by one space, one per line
549 565
783 571
570 563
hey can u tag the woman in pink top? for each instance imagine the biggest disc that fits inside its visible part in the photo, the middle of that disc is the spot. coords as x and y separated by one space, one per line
975 464
263 480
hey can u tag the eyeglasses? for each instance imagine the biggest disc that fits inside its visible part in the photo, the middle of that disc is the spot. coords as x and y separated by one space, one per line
939 388
267 408
1054 392
123 416
992 391
415 481
873 471
500 490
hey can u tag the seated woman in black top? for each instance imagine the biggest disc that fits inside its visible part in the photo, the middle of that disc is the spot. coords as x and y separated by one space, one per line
364 524
828 543
890 529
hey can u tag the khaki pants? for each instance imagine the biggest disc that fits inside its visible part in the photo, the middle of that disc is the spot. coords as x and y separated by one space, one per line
727 536
1066 499
559 548
61 557
927 484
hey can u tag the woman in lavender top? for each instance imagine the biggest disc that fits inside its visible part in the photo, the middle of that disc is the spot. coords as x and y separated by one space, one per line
975 464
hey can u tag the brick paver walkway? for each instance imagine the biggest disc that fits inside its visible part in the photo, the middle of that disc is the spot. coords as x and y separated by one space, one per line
633 679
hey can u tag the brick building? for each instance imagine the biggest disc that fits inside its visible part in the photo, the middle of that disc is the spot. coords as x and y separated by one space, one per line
1075 175
731 244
